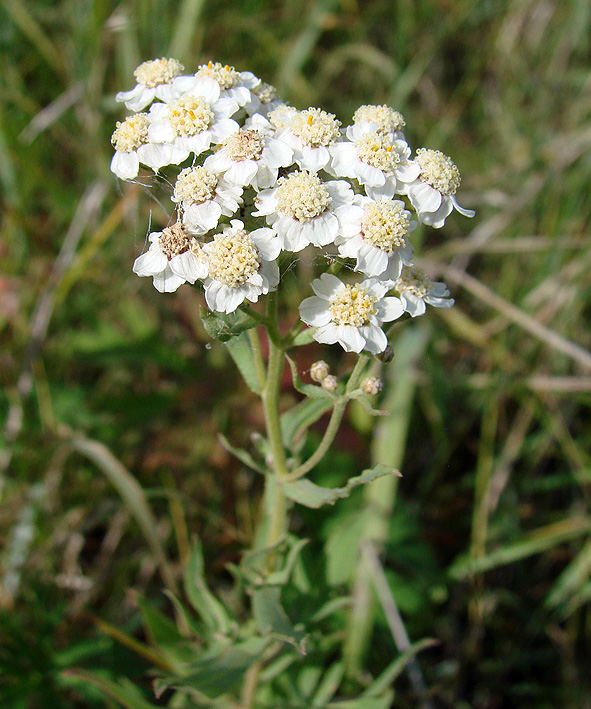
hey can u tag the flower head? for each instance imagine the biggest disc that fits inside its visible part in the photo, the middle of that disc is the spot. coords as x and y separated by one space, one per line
241 265
132 147
174 258
309 133
386 120
415 289
350 314
154 80
432 194
375 234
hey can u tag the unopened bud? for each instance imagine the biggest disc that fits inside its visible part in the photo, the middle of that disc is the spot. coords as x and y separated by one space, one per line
319 371
387 355
371 386
330 383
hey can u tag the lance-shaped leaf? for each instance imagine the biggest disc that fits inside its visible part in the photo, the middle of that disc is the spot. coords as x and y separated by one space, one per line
307 493
212 612
242 455
241 352
272 619
296 421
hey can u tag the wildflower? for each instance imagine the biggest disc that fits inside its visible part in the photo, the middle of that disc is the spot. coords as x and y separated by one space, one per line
251 155
242 266
415 289
154 80
376 160
302 209
174 258
191 122
263 99
375 234
432 194
234 85
310 133
203 197
387 121
132 147
350 315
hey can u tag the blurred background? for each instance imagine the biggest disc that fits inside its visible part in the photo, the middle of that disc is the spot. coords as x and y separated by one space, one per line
487 542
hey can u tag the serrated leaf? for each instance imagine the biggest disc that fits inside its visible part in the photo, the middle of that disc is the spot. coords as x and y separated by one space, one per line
222 326
272 619
307 493
296 421
241 352
313 391
212 612
242 455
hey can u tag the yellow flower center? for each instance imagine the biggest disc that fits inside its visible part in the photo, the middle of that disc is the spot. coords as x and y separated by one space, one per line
265 92
388 120
352 306
233 258
385 225
377 151
189 115
131 133
302 196
416 282
438 170
195 185
157 71
315 127
226 76
175 240
244 144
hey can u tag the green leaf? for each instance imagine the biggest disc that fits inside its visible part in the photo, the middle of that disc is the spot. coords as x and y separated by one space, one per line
165 636
304 338
532 543
331 607
385 702
395 668
128 696
272 619
296 421
242 455
329 685
307 493
212 612
222 327
220 672
281 577
367 405
241 352
313 391
573 579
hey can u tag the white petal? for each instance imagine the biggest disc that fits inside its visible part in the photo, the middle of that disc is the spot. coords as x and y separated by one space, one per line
371 260
189 266
242 173
461 210
375 339
167 281
389 309
326 334
150 263
350 338
327 285
161 132
413 304
267 242
202 217
314 311
125 165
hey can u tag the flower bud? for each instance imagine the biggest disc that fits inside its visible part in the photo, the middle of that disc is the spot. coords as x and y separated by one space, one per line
319 371
371 386
330 383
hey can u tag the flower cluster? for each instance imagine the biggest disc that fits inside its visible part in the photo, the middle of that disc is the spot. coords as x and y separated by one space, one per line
297 179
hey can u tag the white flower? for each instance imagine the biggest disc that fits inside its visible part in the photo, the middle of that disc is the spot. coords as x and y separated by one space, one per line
302 209
154 80
251 156
432 193
233 84
132 147
242 266
174 258
280 117
310 133
191 122
415 288
350 315
375 233
387 120
203 197
375 159
263 99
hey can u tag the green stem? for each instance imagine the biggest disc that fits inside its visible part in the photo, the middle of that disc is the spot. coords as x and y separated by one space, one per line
334 423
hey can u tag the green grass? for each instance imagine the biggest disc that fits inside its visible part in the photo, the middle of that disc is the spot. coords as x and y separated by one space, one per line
488 541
